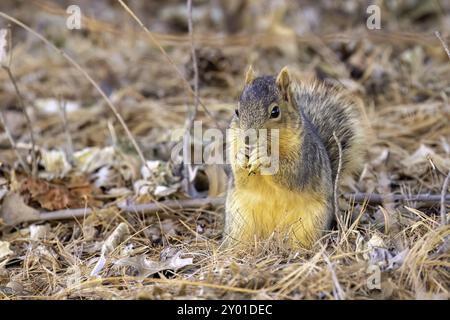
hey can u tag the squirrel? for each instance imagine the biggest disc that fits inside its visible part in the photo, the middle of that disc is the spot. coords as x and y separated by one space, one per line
320 132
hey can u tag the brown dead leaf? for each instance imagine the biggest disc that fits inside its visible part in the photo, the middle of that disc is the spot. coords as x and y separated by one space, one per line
55 196
14 210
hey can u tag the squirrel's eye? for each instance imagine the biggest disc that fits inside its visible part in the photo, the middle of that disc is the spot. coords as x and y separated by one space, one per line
236 112
275 113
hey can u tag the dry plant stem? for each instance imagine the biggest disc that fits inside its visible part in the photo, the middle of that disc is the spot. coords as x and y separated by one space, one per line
443 196
156 43
150 208
28 120
338 292
214 202
192 113
336 183
438 35
194 58
13 145
62 106
147 209
86 75
375 198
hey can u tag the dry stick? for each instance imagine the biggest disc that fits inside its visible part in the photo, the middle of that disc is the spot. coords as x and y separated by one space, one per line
446 181
336 182
194 57
146 209
375 198
13 145
438 35
193 113
338 292
214 202
158 45
27 117
86 75
443 196
62 107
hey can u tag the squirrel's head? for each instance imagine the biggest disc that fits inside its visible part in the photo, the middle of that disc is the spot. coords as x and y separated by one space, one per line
267 102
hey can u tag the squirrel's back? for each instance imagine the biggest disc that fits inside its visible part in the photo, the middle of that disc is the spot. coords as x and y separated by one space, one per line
334 115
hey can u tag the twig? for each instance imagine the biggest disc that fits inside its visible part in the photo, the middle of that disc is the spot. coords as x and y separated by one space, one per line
443 196
146 209
375 198
86 75
338 292
62 108
336 182
178 71
27 117
214 202
438 35
150 208
193 113
13 145
194 58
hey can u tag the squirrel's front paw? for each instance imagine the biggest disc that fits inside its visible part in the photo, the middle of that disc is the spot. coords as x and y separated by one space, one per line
242 159
255 164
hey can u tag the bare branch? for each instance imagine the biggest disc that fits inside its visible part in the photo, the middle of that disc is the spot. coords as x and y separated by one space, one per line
146 209
212 202
375 198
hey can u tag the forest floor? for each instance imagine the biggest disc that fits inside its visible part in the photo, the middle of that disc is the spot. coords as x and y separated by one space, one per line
393 249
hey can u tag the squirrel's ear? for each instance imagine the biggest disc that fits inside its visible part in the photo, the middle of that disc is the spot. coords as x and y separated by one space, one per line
249 75
283 81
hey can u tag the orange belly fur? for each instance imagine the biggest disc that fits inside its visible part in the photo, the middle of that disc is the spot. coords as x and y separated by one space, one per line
263 207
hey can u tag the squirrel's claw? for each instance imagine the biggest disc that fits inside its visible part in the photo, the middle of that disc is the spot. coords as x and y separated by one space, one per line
255 165
242 159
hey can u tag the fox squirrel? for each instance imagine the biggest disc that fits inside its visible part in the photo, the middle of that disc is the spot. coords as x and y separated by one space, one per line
314 121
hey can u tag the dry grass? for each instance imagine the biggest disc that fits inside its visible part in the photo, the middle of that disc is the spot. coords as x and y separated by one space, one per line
402 80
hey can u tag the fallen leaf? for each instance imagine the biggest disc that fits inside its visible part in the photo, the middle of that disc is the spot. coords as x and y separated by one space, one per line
146 267
163 191
115 239
149 168
4 250
38 232
51 106
379 254
14 210
54 196
421 156
90 159
55 164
